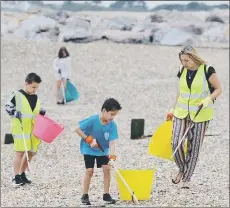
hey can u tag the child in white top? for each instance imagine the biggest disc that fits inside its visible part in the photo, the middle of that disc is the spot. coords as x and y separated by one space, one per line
62 70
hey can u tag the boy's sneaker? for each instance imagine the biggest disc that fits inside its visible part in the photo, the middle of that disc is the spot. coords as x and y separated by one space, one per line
25 179
108 198
17 181
85 199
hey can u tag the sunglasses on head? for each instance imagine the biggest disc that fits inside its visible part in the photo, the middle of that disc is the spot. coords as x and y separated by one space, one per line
187 49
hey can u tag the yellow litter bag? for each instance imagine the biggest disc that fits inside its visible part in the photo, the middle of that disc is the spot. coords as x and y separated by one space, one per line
139 181
160 143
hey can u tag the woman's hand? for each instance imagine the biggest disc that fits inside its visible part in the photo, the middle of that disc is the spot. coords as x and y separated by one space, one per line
170 115
206 102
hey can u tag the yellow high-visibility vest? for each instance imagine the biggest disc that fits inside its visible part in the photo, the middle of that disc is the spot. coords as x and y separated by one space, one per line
190 98
28 117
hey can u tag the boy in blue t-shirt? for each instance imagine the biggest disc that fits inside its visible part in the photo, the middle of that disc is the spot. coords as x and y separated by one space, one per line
102 130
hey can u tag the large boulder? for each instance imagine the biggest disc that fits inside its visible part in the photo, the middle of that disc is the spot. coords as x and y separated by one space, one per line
127 36
34 25
117 23
142 26
194 29
95 21
9 23
214 18
77 22
177 37
79 35
154 18
59 16
9 26
76 29
160 30
216 34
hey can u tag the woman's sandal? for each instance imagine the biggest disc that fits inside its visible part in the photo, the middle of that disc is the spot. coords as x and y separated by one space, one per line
179 175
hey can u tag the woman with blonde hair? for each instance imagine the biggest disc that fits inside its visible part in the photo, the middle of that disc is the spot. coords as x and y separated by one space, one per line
199 86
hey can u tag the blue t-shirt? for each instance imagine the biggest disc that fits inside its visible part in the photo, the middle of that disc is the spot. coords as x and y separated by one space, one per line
102 133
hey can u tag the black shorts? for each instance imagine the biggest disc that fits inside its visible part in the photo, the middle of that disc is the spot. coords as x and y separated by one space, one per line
90 160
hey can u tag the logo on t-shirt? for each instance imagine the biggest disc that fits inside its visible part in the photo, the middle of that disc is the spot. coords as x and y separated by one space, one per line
106 135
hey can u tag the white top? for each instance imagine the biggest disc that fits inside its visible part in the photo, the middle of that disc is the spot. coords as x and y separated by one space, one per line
65 65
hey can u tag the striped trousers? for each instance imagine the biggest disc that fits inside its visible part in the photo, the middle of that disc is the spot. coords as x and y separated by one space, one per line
187 162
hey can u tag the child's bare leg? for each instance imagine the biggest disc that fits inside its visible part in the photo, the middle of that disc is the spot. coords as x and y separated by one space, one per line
87 179
58 85
64 83
17 162
106 171
24 163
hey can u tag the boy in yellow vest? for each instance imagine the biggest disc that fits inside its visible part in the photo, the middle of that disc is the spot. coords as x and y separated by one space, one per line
22 107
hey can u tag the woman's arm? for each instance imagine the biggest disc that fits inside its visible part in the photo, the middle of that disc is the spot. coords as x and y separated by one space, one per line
214 81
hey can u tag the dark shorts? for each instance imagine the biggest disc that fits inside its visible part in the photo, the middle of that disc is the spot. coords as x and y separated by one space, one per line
90 161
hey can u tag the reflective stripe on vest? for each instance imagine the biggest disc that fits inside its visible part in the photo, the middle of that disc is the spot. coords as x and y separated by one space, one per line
189 99
20 136
191 108
194 96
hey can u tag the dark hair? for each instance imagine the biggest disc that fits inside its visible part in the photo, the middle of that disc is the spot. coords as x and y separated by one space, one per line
60 52
111 104
33 77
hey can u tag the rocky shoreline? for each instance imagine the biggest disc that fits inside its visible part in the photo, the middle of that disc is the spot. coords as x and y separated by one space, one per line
172 28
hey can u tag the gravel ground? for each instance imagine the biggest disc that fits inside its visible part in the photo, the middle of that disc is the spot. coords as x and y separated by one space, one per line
143 79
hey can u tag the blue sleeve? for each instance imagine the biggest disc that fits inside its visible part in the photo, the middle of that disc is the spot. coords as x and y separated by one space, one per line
86 124
113 133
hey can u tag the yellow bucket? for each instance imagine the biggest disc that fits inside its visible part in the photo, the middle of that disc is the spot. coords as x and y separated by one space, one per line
139 181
